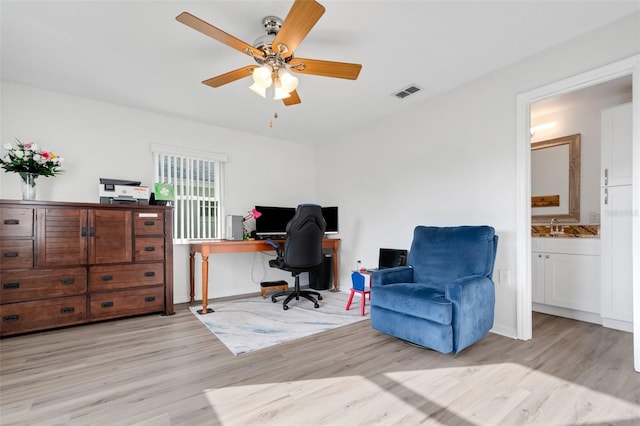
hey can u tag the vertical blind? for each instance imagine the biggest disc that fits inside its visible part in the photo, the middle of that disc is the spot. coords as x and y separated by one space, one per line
197 188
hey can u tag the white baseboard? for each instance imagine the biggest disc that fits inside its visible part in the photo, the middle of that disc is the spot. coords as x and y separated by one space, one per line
617 324
583 316
567 313
504 331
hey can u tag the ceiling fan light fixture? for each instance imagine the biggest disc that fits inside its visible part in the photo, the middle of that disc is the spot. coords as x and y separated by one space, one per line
262 76
288 81
279 92
258 90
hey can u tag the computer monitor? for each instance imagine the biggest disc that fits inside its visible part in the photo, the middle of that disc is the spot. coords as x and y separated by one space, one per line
390 258
273 220
330 215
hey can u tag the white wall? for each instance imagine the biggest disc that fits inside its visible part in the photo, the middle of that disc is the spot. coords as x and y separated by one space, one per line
452 160
99 139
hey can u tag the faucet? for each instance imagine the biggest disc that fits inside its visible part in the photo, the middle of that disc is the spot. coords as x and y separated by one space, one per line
554 227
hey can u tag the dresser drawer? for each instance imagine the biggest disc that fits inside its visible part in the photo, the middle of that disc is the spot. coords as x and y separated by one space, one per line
113 304
148 248
20 286
102 278
148 223
16 222
16 254
42 314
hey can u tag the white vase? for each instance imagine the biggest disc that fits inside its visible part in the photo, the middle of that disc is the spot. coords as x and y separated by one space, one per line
28 186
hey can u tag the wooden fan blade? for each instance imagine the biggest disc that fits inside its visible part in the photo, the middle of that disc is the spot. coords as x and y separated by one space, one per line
217 34
326 68
230 76
293 99
302 16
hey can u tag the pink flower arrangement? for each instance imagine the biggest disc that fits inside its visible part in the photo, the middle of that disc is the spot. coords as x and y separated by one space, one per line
27 158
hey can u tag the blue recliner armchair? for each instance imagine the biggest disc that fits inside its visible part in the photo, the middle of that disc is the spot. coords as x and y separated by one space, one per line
444 298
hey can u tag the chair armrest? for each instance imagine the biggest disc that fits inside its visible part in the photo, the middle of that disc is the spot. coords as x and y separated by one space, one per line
461 289
473 301
276 247
399 274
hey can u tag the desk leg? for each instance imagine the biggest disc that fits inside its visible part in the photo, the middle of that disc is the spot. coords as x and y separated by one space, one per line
192 285
205 285
336 273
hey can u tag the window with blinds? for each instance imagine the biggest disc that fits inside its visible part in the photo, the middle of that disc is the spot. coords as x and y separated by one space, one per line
197 185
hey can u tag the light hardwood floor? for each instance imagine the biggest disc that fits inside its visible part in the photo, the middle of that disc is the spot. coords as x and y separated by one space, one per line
155 370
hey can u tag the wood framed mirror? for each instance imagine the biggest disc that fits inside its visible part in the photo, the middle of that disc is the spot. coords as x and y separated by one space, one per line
555 180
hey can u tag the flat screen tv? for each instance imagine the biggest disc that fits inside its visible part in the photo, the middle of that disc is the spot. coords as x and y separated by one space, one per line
273 221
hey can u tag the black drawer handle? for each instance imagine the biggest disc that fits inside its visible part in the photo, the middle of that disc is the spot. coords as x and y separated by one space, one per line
11 222
69 280
83 233
67 310
150 299
106 278
11 286
107 304
150 249
149 274
10 318
92 232
11 254
149 223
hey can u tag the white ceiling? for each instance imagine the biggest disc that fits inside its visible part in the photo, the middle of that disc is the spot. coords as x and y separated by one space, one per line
135 53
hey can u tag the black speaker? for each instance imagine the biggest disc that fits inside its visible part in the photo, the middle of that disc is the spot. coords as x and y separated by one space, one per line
320 279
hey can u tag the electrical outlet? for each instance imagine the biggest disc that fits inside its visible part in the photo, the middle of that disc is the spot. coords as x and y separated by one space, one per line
504 276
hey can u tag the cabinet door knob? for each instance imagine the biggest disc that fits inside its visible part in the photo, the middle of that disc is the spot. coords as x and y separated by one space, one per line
547 256
539 255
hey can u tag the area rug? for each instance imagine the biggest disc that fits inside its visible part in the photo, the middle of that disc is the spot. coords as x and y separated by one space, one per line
246 325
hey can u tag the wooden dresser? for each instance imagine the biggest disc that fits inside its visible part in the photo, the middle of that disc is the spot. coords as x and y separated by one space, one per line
74 263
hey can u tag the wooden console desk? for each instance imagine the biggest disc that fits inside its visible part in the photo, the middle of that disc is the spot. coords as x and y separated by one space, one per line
226 246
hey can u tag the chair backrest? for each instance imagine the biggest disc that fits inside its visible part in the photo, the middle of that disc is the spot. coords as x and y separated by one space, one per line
357 281
303 245
442 254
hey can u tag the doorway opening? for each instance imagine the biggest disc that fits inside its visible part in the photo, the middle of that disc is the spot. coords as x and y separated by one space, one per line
566 274
626 67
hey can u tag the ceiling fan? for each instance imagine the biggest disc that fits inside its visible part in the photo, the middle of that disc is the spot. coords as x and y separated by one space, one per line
273 53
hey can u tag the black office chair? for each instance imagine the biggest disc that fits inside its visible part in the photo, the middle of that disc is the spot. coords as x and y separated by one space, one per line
302 251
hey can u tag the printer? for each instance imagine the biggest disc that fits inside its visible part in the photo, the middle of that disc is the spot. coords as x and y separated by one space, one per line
116 191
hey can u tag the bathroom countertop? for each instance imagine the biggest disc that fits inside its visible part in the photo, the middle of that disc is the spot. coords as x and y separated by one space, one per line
568 231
